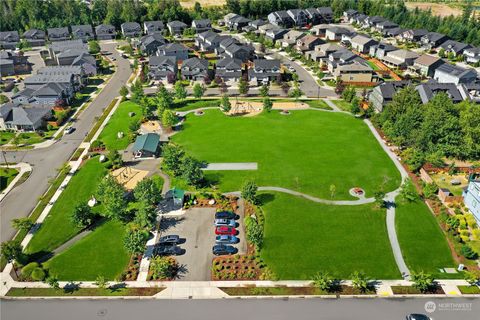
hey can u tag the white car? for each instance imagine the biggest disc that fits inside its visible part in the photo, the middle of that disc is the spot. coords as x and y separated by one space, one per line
291 69
225 222
69 129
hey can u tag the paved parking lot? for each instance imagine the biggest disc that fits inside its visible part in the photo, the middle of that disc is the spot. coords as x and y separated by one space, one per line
197 232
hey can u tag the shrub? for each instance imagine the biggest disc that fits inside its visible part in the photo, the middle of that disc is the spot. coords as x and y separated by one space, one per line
163 268
28 269
38 274
468 252
423 281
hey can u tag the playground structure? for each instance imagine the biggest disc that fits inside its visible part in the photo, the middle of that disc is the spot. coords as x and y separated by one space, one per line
129 177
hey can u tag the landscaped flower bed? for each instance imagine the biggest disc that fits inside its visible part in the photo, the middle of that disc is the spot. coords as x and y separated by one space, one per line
413 290
133 268
237 267
294 291
77 292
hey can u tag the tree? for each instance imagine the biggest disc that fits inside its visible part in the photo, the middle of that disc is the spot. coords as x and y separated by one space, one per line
249 191
243 86
164 98
379 199
323 281
93 47
163 268
82 215
192 171
172 157
12 251
135 240
254 232
169 119
408 191
123 92
355 106
180 91
115 158
198 90
226 106
349 93
111 194
146 215
38 274
429 190
23 224
147 191
360 281
52 281
333 190
295 92
468 252
264 90
422 281
101 282
472 277
3 99
267 104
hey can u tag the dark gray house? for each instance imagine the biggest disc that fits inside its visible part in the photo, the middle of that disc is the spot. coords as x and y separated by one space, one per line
264 71
241 52
149 44
229 70
380 50
299 16
83 32
429 89
195 69
383 94
150 27
9 39
413 35
281 19
58 34
238 22
105 32
162 67
35 37
177 50
131 29
22 118
201 25
176 27
433 40
455 47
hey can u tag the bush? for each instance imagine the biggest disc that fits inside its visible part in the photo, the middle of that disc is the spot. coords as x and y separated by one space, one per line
38 274
163 268
28 269
468 252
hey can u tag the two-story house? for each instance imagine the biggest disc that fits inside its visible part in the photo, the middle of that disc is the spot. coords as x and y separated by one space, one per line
150 27
176 27
105 32
161 68
201 25
281 19
58 34
471 196
177 50
448 73
229 70
195 69
9 39
35 37
264 71
131 29
83 32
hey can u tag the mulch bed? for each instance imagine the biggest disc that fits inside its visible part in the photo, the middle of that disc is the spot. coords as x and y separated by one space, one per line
293 291
238 267
413 290
133 268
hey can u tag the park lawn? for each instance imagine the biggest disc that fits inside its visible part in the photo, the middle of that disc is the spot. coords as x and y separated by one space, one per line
319 104
302 237
101 253
6 136
57 227
120 122
192 104
424 246
307 151
343 105
6 177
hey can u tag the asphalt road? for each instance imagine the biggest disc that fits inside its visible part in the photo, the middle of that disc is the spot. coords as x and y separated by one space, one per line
45 162
233 309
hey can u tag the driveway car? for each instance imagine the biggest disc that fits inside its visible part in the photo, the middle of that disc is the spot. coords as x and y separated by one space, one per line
225 230
225 239
69 130
225 222
221 249
418 316
225 215
172 238
168 250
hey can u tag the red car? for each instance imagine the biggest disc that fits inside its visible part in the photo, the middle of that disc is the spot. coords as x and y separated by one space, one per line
225 230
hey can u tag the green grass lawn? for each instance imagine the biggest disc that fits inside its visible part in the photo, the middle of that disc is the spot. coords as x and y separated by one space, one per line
29 138
192 104
343 105
303 238
5 137
423 243
6 176
320 104
373 65
57 227
100 253
305 151
120 121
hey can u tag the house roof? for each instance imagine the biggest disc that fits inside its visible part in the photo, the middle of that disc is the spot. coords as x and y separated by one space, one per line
387 24
9 36
455 71
59 46
195 63
131 26
434 36
84 58
176 24
394 31
416 32
159 60
295 34
428 90
77 70
147 142
338 30
154 25
326 47
170 47
389 88
454 45
361 39
58 32
49 89
23 115
257 23
84 28
104 29
308 39
71 53
40 34
403 54
426 60
201 23
45 78
229 63
354 66
153 37
266 63
325 10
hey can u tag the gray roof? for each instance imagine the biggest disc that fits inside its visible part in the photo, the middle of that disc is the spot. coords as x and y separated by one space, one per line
154 37
454 70
426 60
195 63
72 53
177 24
389 88
160 60
434 36
58 32
154 25
50 89
59 46
454 45
428 90
266 63
354 66
9 36
338 30
201 23
54 70
229 63
257 23
84 28
24 115
84 58
170 47
43 78
34 33
103 29
361 39
403 54
131 26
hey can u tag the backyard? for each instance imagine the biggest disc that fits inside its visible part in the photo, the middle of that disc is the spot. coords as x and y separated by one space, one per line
303 238
307 151
424 246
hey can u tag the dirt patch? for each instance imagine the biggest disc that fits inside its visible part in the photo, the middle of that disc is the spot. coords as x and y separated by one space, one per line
150 126
438 9
252 108
129 177
203 3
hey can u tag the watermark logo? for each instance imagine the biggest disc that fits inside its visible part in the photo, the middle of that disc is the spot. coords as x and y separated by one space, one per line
430 306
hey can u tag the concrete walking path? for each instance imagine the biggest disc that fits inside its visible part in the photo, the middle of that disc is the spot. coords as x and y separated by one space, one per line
231 166
22 168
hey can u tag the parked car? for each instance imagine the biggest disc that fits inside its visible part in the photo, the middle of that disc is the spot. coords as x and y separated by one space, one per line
418 316
225 215
225 230
221 249
69 129
172 238
168 250
225 222
226 239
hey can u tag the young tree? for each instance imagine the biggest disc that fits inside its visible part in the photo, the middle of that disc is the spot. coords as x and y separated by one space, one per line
264 90
323 281
93 47
101 282
333 190
124 92
135 240
254 232
192 171
422 281
355 106
172 158
115 158
243 86
296 92
82 215
226 106
12 251
164 98
379 199
180 91
360 281
468 252
198 90
249 191
267 104
169 119
23 224
408 191
52 281
111 194
145 215
147 191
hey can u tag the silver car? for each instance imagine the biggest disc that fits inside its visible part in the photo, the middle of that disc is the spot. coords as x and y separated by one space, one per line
225 222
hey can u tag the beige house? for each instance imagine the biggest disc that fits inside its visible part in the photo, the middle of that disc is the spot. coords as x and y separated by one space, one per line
354 72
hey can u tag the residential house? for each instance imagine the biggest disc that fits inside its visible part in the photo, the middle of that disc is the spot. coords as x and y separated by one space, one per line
394 32
241 52
384 26
105 32
448 73
471 196
299 16
58 34
264 71
87 62
67 57
263 29
319 30
322 51
290 38
35 37
229 70
228 17
470 91
46 96
255 24
176 27
362 43
413 35
150 27
209 40
455 47
371 22
349 14
83 32
347 38
225 43
201 25
6 67
275 34
383 93
326 14
335 33
400 58
308 43
149 44
313 16
161 68
380 50
22 118
429 89
354 72
36 81
77 71
339 57
425 65
12 63
55 48
9 39
472 55
281 19
177 50
131 29
237 23
195 69
359 20
433 40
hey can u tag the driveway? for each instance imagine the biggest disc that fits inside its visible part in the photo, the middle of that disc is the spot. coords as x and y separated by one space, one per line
196 230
